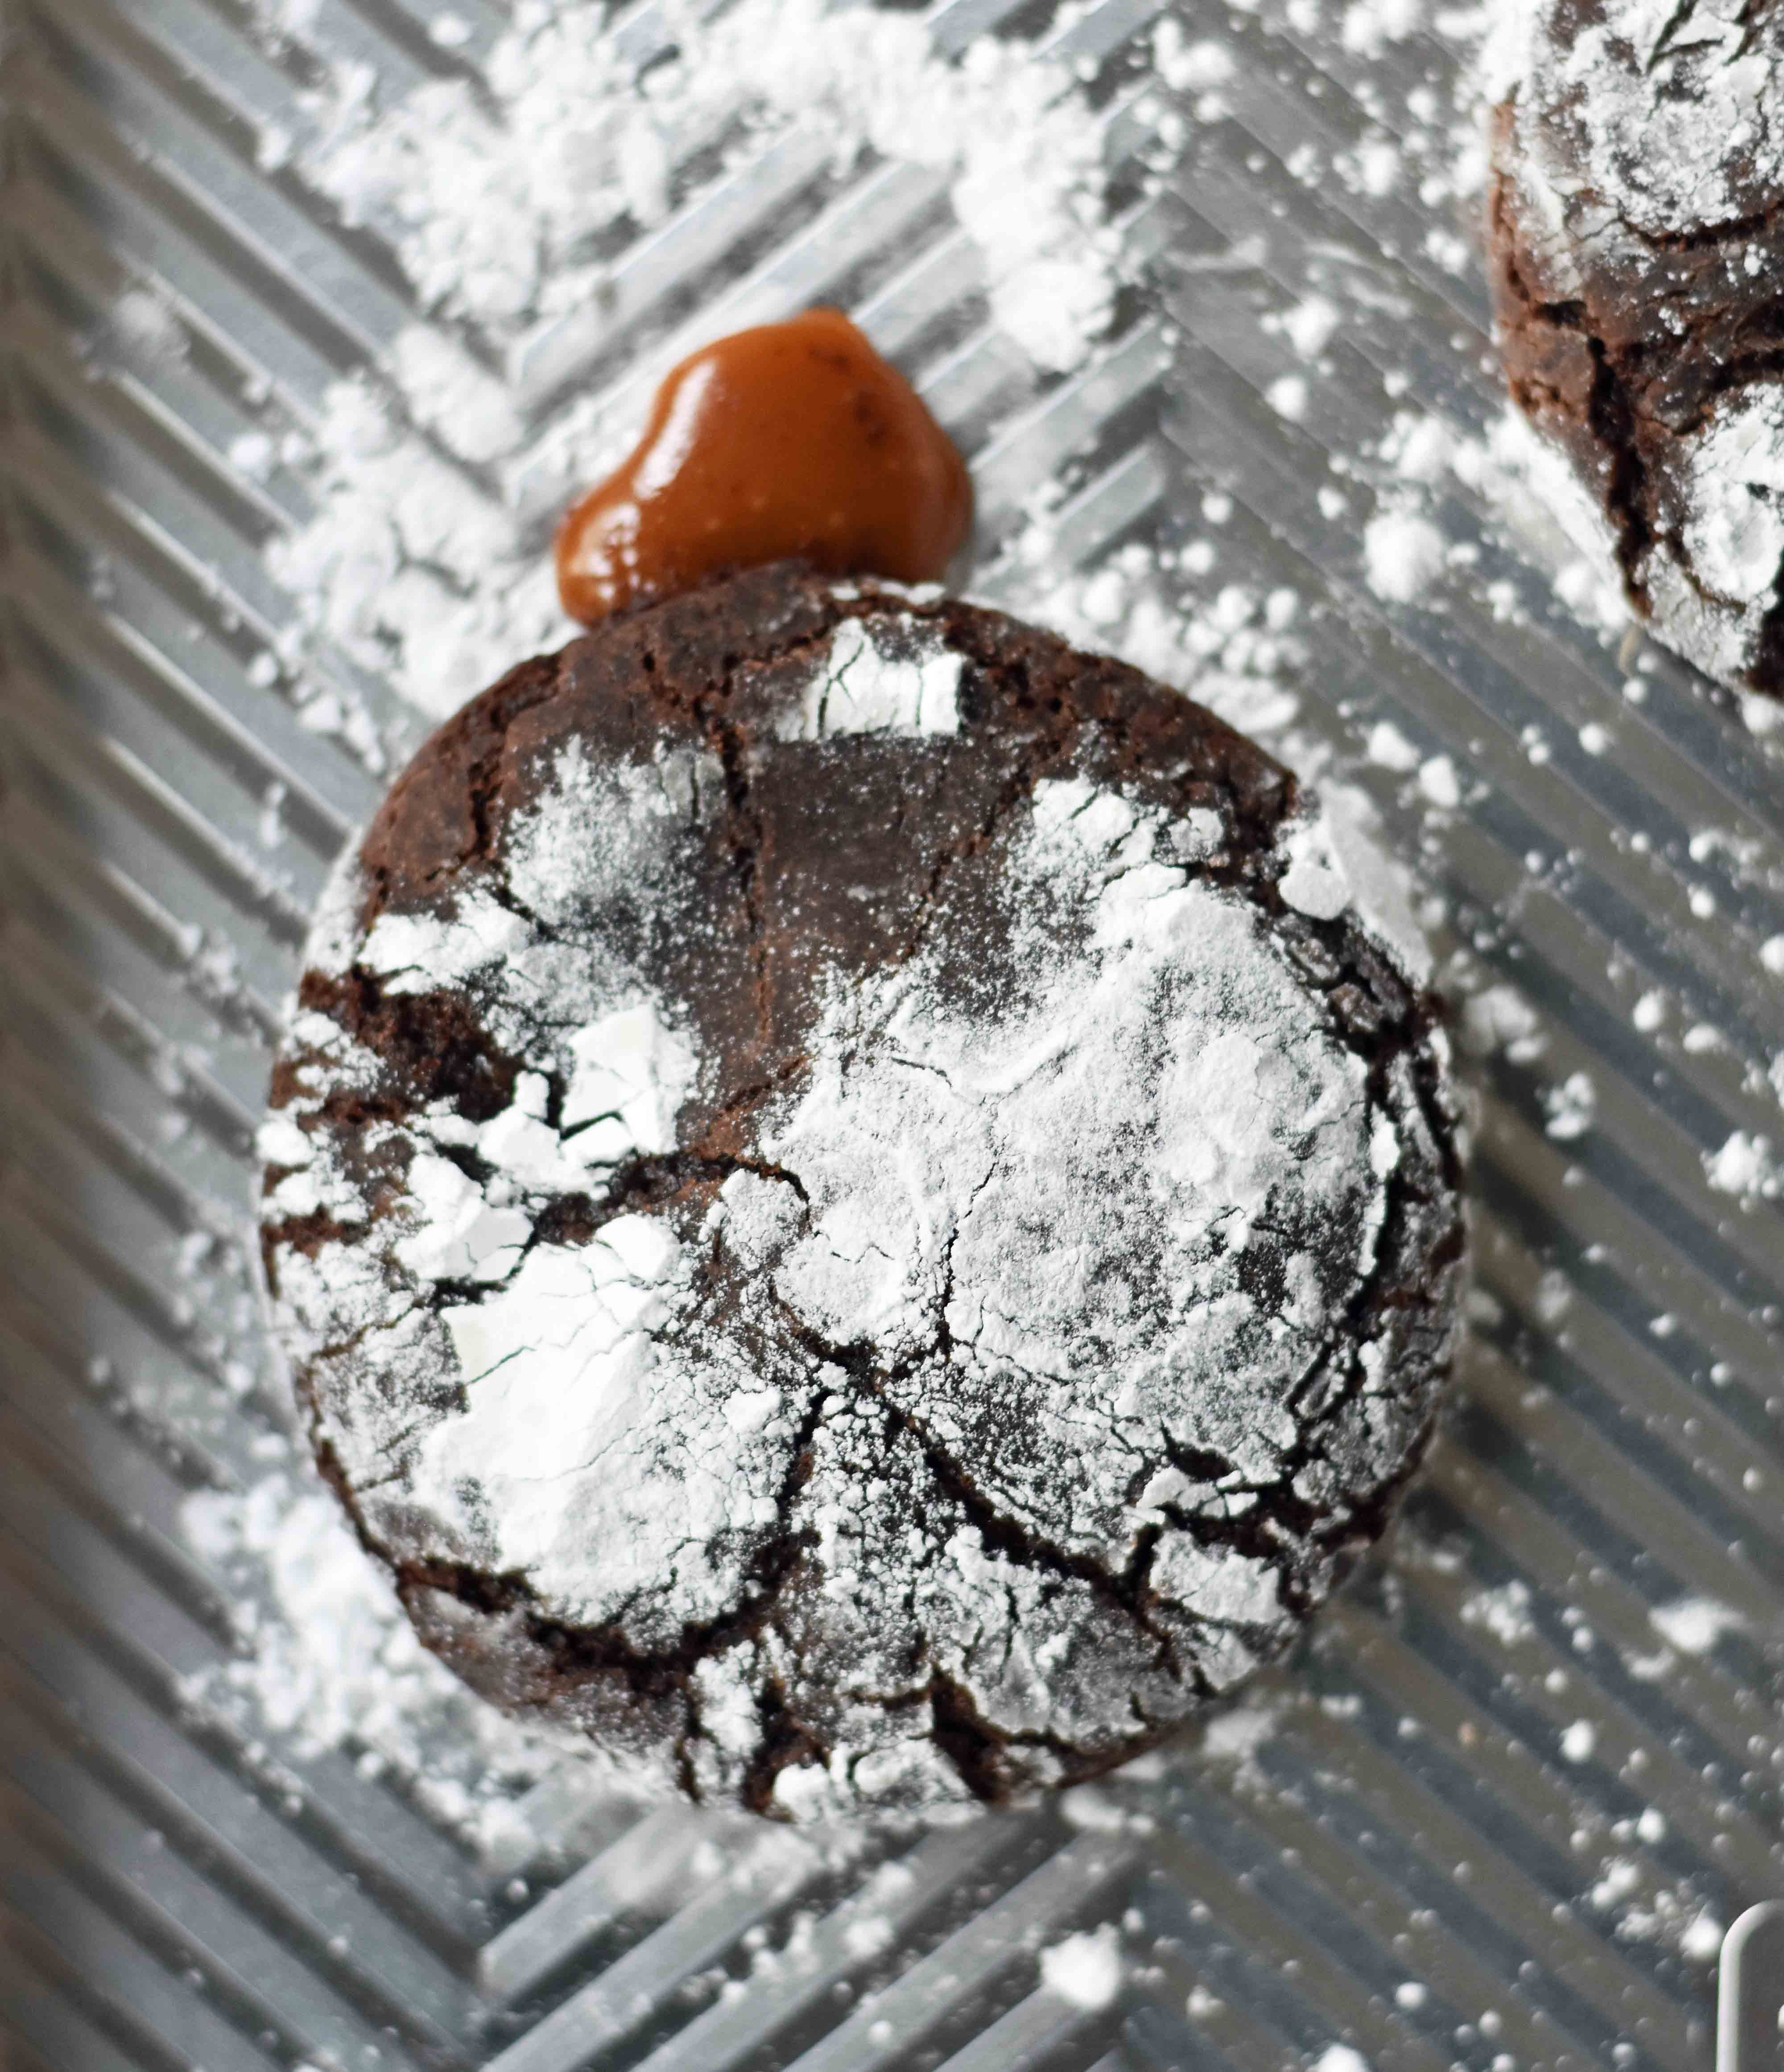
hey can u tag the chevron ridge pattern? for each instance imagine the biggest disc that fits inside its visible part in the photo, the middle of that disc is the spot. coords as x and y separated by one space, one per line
1408 1861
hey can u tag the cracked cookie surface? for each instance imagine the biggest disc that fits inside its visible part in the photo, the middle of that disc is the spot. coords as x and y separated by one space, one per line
863 1204
1636 247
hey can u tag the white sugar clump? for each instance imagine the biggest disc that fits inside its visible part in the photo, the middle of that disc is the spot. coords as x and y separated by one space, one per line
1369 25
1335 864
1403 555
1747 1166
1695 1625
1085 1971
410 955
1314 883
1640 123
939 1167
1560 526
1703 1939
900 679
1570 1107
493 206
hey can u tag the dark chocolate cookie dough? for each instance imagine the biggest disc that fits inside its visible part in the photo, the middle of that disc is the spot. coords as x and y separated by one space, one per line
1638 253
858 1206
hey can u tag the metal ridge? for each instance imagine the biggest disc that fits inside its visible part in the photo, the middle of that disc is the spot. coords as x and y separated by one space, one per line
1401 1842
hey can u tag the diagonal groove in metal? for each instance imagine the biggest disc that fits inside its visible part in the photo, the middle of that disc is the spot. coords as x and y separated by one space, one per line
286 1867
1596 1467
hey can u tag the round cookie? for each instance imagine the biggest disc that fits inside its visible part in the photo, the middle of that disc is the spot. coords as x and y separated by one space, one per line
1637 244
856 1204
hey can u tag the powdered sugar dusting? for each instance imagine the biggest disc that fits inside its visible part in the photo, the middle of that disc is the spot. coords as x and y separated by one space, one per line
1733 474
495 206
1085 1971
899 679
331 1662
1149 1160
947 1168
1641 156
1662 115
558 1467
424 561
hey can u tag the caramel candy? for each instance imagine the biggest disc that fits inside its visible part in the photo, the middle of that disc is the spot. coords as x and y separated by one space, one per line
792 440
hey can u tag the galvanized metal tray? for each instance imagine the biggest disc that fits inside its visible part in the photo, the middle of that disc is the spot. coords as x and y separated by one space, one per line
1493 1816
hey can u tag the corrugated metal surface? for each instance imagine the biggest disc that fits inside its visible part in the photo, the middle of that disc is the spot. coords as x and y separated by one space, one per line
1415 1860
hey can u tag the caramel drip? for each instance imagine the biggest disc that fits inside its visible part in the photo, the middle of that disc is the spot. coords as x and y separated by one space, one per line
794 440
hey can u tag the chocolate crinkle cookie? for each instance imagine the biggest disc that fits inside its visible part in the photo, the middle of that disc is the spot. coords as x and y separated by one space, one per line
865 1207
1638 252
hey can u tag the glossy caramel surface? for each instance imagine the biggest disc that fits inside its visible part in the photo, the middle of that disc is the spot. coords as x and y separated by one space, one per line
792 439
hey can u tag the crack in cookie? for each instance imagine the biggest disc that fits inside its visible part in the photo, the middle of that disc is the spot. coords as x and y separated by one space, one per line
863 1206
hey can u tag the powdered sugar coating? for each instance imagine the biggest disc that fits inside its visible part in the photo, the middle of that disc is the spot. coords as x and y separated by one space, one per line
950 1412
1644 118
1639 150
869 684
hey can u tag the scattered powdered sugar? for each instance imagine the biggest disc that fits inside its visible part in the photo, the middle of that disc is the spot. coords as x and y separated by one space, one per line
1747 1166
1234 645
495 206
1695 1625
1504 1611
1402 554
1235 1735
1703 1938
410 567
1085 1971
331 1660
510 210
1737 473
